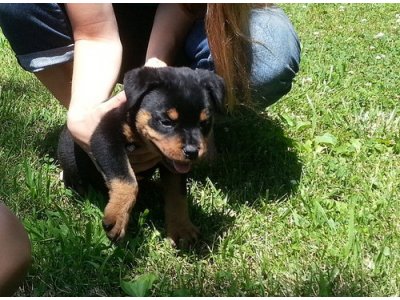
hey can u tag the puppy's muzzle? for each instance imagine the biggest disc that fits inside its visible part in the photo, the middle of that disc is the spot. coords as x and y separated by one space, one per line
191 152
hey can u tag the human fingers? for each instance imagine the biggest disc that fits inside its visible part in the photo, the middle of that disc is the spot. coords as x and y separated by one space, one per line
114 102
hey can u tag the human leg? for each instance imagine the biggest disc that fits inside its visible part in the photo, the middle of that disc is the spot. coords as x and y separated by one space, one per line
274 53
57 80
15 252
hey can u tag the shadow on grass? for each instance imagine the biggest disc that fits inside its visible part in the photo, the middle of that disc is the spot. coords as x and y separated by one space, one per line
255 164
48 144
254 159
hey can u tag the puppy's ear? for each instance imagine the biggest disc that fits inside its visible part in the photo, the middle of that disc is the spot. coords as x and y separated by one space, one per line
215 86
137 83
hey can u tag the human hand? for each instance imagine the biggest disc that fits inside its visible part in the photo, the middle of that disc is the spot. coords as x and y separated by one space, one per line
154 62
82 121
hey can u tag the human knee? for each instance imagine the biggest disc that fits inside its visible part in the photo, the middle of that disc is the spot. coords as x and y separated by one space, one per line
275 54
12 277
15 252
270 84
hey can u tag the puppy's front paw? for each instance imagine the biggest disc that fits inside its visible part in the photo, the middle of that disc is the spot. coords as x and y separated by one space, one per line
115 222
116 214
182 234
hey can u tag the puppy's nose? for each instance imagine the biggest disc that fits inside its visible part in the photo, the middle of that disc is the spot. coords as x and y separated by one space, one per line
191 152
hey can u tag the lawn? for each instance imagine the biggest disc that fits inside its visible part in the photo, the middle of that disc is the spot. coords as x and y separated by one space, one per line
303 200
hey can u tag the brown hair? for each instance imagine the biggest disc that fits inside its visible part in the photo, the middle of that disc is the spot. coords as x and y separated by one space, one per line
227 27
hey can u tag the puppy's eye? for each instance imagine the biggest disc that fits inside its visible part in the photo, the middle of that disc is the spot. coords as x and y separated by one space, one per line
167 123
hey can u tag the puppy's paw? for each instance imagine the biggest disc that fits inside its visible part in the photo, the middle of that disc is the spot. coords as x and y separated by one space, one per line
182 234
115 222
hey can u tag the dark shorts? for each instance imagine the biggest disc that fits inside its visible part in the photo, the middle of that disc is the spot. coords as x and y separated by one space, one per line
39 34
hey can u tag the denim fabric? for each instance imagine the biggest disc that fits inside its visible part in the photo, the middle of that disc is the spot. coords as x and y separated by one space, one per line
197 49
275 53
39 34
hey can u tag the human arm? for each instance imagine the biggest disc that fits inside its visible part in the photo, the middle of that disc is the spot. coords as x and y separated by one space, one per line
97 61
171 25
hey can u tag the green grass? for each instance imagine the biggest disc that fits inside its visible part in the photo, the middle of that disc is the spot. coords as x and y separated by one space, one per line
303 200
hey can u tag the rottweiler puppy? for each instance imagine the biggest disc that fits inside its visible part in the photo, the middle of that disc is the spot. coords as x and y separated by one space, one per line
169 112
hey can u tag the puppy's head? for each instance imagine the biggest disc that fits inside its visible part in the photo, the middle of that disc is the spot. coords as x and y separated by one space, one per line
174 111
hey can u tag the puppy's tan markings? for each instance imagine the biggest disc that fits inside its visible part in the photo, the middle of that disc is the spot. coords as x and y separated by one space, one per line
172 148
204 115
203 146
142 120
128 133
122 198
173 114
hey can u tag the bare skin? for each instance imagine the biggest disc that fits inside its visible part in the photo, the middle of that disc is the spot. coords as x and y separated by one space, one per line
15 252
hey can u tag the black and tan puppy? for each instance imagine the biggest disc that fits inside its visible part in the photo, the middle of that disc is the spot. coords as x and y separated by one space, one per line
169 112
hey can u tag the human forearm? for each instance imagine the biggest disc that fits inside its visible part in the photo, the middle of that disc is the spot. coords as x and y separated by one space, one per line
171 25
97 53
97 61
96 68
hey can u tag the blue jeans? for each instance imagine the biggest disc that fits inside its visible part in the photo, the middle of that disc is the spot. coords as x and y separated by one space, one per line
275 57
41 37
